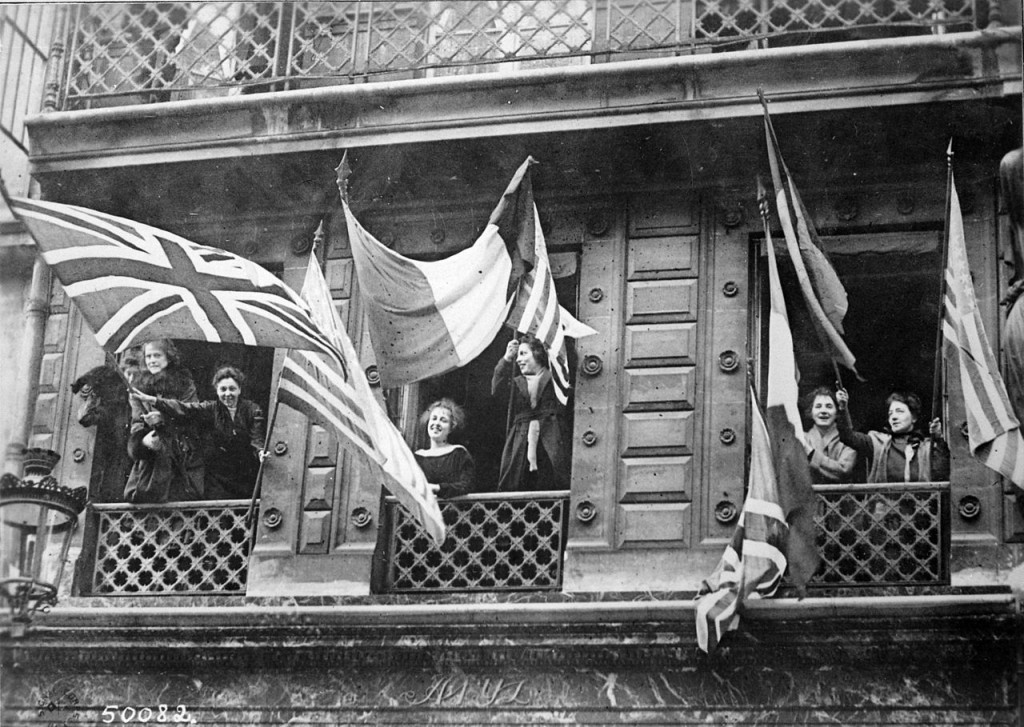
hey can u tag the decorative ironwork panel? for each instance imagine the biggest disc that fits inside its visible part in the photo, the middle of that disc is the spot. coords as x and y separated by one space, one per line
734 19
181 549
882 535
509 542
121 48
639 24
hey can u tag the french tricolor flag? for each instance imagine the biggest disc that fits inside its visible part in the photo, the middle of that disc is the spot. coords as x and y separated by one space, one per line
428 318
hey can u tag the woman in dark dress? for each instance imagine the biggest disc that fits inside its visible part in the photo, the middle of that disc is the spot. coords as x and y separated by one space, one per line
167 459
536 454
449 468
233 431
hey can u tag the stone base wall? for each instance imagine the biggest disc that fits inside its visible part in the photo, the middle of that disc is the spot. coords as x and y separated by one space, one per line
488 667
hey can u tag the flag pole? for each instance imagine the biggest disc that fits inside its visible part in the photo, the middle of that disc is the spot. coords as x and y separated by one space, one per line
258 487
937 377
318 237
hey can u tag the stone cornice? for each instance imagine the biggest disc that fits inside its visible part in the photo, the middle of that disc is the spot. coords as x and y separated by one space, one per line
550 634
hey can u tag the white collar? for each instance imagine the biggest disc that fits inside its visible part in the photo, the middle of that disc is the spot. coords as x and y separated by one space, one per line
439 451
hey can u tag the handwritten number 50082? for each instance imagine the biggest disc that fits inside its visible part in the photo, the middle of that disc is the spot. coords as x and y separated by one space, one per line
113 713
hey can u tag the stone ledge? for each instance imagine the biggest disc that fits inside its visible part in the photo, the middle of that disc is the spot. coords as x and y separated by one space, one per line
869 73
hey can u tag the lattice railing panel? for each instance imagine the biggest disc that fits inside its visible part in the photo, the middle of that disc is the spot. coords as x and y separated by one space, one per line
133 47
876 535
179 548
638 24
738 18
509 542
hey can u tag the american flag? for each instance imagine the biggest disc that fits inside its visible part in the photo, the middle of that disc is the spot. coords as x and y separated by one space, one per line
993 431
536 312
753 563
134 283
311 384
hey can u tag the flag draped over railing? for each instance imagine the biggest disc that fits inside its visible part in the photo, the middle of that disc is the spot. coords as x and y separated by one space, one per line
820 287
753 563
776 531
312 384
134 283
993 431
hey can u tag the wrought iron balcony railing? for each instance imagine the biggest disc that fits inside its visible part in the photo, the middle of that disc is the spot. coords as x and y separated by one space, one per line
186 548
136 52
883 535
495 542
868 535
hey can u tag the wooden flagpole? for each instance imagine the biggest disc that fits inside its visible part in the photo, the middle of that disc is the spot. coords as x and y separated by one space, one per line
937 378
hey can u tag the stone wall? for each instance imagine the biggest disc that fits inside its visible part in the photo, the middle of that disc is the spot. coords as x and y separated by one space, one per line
927 660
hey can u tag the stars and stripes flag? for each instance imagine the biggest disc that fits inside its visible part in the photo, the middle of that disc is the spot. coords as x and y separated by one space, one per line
536 310
312 384
753 563
993 431
822 291
134 283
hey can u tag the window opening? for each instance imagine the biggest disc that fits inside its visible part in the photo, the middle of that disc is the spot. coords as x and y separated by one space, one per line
470 386
888 533
892 282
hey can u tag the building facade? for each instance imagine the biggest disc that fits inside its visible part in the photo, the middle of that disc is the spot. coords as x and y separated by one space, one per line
225 123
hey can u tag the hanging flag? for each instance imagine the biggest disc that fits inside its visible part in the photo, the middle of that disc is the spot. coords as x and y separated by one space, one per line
428 318
311 384
134 283
780 535
514 219
536 312
786 434
820 286
753 563
993 431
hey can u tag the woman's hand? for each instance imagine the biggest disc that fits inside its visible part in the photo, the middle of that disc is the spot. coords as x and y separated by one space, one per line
935 428
434 488
141 397
511 350
842 398
152 441
153 418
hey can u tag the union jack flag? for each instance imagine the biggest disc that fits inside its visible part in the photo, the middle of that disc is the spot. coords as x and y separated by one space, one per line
134 283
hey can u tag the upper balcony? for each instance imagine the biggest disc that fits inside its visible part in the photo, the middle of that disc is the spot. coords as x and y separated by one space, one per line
129 53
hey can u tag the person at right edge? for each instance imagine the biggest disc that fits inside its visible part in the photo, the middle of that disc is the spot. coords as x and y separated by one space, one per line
536 453
901 453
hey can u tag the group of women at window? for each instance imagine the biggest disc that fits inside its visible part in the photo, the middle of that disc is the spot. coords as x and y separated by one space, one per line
899 453
185 449
536 452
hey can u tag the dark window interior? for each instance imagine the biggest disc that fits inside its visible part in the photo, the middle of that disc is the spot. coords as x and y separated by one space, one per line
892 280
487 416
